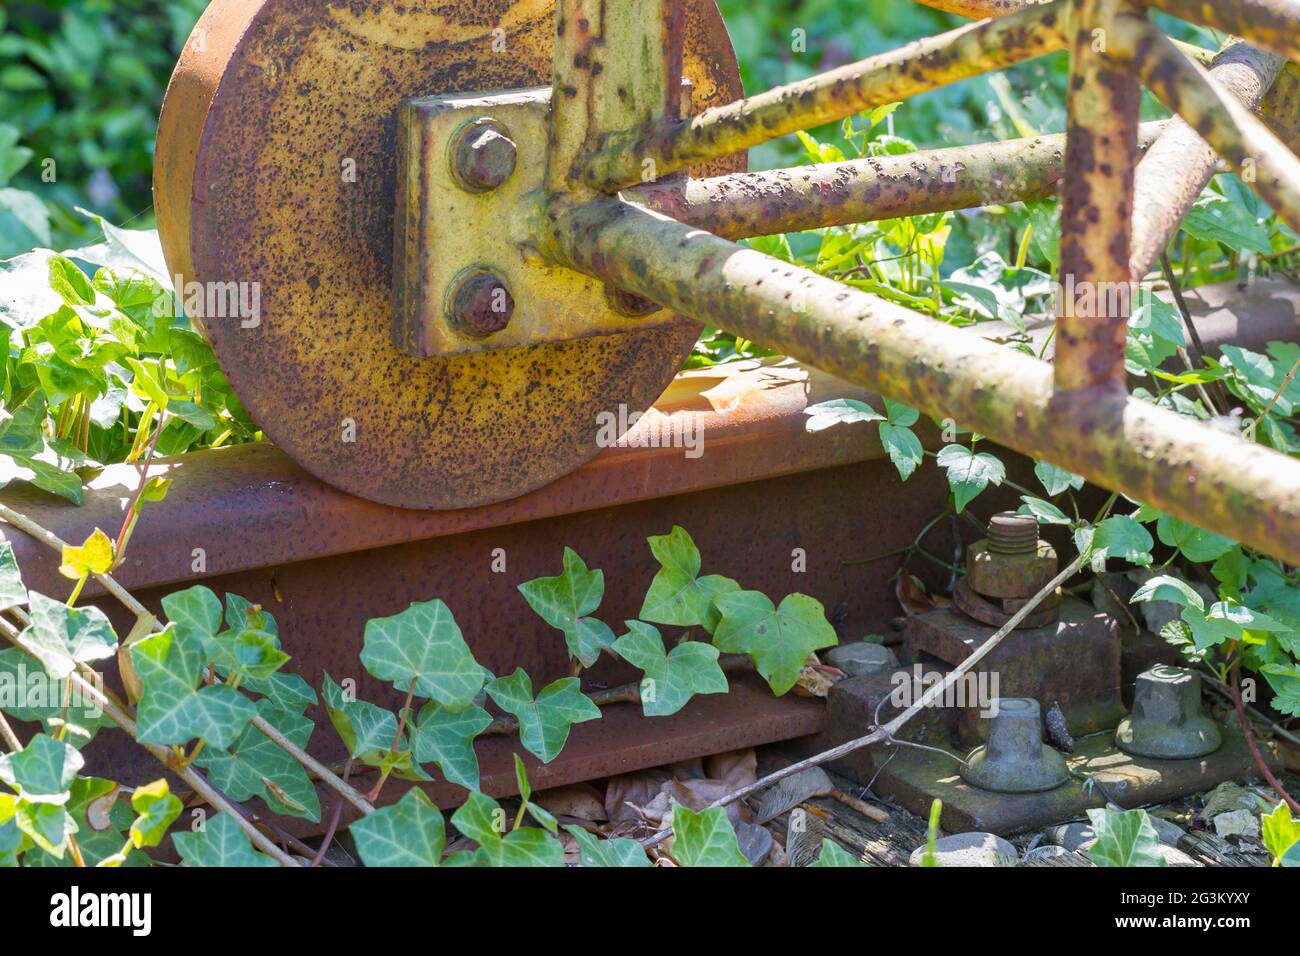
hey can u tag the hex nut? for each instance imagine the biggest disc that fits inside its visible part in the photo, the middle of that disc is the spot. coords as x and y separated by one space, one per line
481 304
483 156
1167 721
997 575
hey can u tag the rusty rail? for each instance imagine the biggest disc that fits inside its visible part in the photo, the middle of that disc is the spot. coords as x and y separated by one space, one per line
1079 417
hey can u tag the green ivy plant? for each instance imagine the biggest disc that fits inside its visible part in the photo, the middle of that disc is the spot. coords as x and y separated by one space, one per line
210 692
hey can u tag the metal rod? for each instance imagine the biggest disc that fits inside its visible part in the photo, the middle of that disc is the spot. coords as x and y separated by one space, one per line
1272 24
1187 468
979 9
867 190
617 65
1096 206
1261 159
968 51
1175 170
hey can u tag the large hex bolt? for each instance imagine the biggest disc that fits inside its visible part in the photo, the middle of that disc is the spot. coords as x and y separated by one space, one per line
1167 721
1011 562
1015 759
480 303
483 156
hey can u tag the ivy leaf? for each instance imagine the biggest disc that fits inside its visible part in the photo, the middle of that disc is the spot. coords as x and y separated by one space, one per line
156 808
446 737
540 814
564 601
969 472
1196 544
94 556
42 771
543 723
482 820
62 637
778 639
1123 538
174 709
43 697
705 838
618 851
411 832
1281 835
1124 838
839 411
1056 480
254 766
671 679
47 824
221 843
1044 511
1165 587
12 591
367 730
247 654
424 645
677 595
195 613
835 855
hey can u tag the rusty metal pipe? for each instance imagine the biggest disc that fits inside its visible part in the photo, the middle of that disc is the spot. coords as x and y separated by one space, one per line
1272 24
623 157
866 190
1096 206
1154 455
1175 170
1262 160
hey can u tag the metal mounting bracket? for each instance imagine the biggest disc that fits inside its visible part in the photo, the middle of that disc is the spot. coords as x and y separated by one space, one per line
466 275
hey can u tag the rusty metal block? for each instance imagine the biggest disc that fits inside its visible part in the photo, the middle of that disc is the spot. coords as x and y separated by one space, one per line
997 574
1075 662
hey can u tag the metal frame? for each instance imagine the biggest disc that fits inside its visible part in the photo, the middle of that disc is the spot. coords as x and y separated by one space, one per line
616 114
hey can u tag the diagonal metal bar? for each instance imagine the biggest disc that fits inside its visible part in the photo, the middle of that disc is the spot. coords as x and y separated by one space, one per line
1176 169
866 190
1247 145
1272 24
1189 469
1096 205
621 157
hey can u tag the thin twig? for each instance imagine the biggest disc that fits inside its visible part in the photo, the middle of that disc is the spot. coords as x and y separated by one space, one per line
1253 744
883 733
1221 406
1276 396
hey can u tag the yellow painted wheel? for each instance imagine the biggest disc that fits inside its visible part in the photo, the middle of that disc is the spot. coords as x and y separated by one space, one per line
275 168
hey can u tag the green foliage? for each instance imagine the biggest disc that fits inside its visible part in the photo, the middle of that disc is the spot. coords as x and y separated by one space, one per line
566 600
482 820
1281 835
544 722
705 838
423 649
779 639
1124 838
219 843
616 851
833 854
969 472
411 832
671 678
678 595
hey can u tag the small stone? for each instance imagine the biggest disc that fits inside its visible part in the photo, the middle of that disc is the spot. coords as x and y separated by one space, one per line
755 842
969 849
1072 836
1048 852
1237 823
862 657
1169 832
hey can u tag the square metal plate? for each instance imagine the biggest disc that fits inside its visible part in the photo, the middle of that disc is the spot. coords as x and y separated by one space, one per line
443 230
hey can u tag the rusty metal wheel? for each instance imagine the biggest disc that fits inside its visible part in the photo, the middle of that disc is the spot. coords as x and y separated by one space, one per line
272 107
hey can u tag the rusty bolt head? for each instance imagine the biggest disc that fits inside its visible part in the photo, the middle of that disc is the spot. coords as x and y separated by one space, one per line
997 575
1013 533
481 304
484 156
